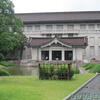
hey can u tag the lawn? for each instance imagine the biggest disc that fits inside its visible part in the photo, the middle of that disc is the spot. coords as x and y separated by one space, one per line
29 88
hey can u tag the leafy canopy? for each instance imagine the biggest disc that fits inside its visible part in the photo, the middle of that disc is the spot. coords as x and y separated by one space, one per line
11 36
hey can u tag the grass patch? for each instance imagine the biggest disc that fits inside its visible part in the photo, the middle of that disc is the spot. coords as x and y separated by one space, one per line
29 88
4 63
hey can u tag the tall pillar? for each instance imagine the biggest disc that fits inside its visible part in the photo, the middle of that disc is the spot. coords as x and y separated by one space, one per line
50 55
63 55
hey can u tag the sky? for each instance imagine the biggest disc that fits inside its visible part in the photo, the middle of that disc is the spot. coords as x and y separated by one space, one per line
31 6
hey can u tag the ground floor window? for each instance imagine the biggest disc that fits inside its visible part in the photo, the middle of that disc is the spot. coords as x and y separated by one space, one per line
68 55
45 55
56 55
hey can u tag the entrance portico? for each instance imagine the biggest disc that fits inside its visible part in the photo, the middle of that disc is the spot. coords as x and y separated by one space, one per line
57 49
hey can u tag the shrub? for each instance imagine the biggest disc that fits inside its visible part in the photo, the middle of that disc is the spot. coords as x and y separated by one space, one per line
88 66
95 69
1 57
4 72
75 70
1 66
50 71
4 63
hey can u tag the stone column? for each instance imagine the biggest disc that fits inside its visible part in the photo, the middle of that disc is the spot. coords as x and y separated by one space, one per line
63 55
50 55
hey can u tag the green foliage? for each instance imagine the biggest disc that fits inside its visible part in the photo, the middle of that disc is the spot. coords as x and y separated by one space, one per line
51 71
88 66
75 70
1 57
95 69
11 36
4 72
4 63
92 67
1 66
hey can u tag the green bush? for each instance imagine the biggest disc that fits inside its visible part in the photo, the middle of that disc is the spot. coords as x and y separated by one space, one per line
1 57
88 66
50 71
1 66
95 69
4 63
4 72
75 70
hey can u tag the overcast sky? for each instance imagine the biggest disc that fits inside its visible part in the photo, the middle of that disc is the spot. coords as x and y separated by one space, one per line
31 6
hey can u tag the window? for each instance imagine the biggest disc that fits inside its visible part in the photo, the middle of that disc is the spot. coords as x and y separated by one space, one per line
91 26
58 35
37 27
49 27
45 55
29 28
70 27
48 35
70 35
92 51
56 55
82 26
68 55
98 26
92 40
59 27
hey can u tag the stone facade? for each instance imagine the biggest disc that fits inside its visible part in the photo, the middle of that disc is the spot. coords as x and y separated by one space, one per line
87 26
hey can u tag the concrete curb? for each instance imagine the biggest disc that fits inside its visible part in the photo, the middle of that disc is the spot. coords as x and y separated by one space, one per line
69 96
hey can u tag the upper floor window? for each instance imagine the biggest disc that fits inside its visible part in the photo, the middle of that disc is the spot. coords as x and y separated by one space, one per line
37 27
58 35
70 27
70 35
98 26
49 27
82 26
59 27
91 26
29 28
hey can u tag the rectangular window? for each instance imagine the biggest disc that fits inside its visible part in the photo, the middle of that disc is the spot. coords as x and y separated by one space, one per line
37 27
70 35
49 27
29 28
92 51
56 55
91 26
98 26
70 27
68 55
45 55
92 41
82 26
59 27
48 35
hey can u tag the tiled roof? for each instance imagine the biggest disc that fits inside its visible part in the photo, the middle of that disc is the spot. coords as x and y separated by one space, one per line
72 41
60 17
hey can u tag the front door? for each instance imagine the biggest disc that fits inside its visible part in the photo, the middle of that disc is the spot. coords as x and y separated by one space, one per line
56 55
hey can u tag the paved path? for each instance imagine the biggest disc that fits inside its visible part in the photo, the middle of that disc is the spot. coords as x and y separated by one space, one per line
90 91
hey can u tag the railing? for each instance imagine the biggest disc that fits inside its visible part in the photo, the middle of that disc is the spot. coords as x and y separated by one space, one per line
61 31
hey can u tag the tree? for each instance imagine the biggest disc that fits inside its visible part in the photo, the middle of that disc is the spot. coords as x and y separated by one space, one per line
11 34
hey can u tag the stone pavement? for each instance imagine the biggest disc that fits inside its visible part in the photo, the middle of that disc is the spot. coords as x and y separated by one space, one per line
90 91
